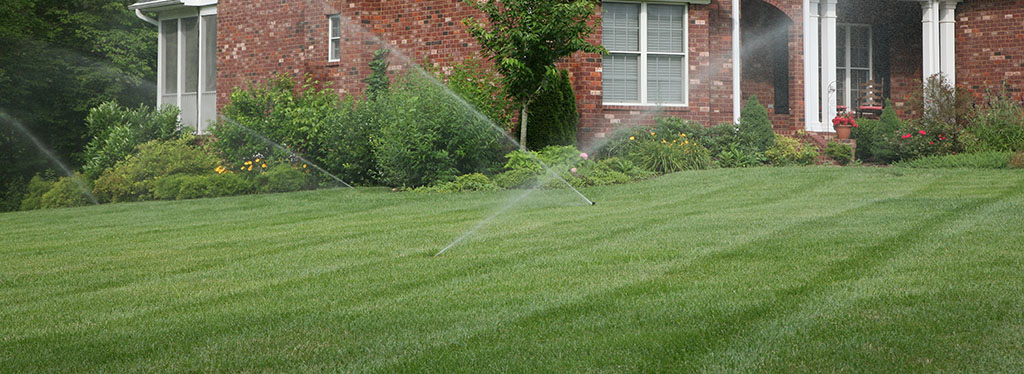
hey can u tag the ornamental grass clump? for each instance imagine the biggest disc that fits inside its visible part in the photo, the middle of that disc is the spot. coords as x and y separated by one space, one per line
660 155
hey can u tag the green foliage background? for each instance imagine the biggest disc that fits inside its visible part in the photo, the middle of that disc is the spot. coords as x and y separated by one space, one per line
59 59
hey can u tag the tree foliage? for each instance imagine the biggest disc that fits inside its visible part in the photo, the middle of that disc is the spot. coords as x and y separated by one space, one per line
525 38
61 58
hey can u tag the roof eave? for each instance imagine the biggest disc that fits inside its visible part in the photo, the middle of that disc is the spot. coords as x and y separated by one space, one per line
150 4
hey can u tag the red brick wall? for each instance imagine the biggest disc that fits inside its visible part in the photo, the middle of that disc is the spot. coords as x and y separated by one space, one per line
990 44
259 38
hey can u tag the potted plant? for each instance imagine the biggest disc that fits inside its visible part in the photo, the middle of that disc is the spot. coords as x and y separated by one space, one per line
844 124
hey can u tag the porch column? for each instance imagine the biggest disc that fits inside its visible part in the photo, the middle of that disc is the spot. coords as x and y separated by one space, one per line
736 61
812 118
828 63
929 63
947 38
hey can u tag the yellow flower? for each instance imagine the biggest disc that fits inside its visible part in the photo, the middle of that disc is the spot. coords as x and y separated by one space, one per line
250 167
652 133
241 168
683 135
257 160
248 162
264 166
632 138
303 166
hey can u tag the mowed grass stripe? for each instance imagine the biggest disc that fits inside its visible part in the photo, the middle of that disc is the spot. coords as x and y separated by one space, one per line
672 273
652 285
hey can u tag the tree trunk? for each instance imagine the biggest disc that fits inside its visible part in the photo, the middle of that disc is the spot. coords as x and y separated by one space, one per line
522 128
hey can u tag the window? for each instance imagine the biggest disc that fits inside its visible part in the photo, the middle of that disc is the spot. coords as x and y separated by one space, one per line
210 53
169 35
334 38
853 62
187 71
646 63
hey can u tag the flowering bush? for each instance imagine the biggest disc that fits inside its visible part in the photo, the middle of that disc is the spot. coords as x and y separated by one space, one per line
917 139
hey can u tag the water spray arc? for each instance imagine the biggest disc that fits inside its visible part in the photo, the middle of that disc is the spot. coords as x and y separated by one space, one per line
77 180
283 148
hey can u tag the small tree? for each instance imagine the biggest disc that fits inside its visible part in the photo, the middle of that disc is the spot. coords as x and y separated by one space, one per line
755 129
554 114
377 83
524 38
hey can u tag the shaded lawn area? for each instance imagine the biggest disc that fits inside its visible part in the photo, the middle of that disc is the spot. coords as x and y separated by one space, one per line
770 269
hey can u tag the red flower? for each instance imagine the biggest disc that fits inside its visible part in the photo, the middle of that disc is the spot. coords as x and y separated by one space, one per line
932 143
907 136
922 132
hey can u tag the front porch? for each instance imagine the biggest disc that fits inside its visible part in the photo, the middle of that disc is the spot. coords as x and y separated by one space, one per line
896 44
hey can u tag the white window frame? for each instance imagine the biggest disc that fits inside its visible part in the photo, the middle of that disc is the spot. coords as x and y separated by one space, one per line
643 53
178 15
331 38
847 70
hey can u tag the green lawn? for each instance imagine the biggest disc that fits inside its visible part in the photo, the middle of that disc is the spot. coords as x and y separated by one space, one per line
760 270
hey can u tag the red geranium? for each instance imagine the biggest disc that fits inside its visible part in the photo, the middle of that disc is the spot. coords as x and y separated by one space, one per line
844 120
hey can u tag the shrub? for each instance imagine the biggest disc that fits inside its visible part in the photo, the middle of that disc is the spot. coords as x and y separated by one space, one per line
516 178
608 171
468 182
135 178
842 153
864 133
427 136
183 186
918 138
788 151
283 178
377 83
997 126
524 169
552 114
37 187
735 156
309 121
13 191
116 131
662 156
1017 161
66 192
883 134
982 160
755 128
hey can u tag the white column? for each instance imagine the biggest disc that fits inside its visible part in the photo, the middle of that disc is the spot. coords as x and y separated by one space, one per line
812 119
947 40
929 65
736 61
828 63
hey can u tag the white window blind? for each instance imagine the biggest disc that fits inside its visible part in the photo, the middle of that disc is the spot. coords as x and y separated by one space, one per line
647 53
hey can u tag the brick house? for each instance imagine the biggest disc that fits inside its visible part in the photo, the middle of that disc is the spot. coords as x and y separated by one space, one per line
805 60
